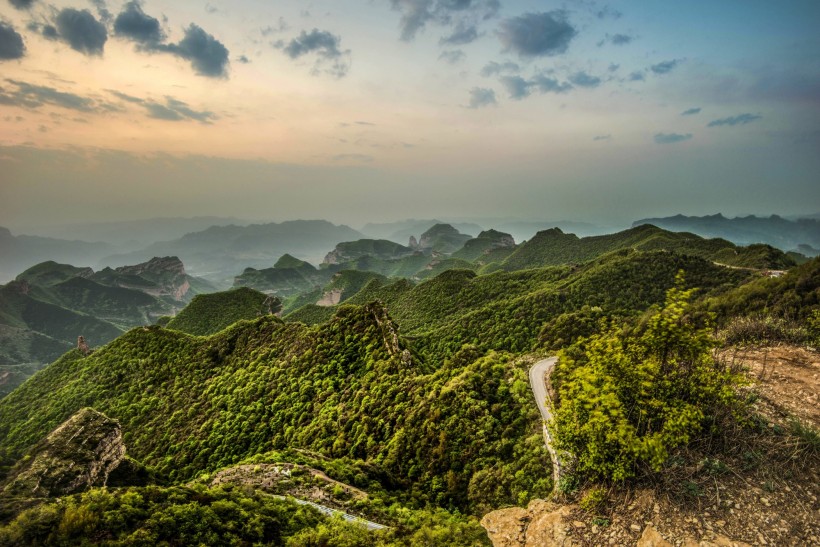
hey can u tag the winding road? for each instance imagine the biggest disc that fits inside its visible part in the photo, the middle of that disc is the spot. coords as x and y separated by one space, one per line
539 376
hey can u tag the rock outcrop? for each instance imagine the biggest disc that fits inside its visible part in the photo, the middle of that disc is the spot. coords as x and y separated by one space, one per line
80 454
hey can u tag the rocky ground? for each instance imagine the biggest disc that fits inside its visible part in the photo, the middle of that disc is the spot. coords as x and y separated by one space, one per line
764 491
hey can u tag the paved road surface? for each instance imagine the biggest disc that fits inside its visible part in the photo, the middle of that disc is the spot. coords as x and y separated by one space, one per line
539 374
335 512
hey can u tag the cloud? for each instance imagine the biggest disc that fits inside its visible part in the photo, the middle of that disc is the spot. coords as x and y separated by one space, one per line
35 96
22 4
691 112
133 23
463 34
664 67
243 59
616 40
740 119
520 88
416 14
537 34
173 110
608 13
671 138
545 84
582 79
481 96
637 76
452 56
281 26
492 68
102 10
81 31
324 45
208 56
607 137
516 86
11 43
620 39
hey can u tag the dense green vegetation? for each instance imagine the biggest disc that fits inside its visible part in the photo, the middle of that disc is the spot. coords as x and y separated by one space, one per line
222 516
507 310
465 435
629 400
211 313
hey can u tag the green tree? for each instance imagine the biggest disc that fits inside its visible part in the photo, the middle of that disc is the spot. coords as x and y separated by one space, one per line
627 400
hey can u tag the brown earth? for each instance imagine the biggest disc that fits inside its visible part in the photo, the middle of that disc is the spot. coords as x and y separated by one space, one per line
764 490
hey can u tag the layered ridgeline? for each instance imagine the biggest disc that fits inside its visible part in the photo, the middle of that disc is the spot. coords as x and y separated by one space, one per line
45 309
802 235
220 252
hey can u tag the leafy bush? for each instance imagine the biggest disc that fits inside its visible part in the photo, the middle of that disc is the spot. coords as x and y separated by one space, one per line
629 400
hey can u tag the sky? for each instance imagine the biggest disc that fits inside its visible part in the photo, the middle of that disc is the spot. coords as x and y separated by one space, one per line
378 110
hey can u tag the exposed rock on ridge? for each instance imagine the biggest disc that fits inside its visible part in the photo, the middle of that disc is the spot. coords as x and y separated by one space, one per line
80 454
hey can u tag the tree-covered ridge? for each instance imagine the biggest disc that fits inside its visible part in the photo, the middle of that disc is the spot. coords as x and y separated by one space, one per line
507 310
211 313
794 295
554 247
381 249
463 436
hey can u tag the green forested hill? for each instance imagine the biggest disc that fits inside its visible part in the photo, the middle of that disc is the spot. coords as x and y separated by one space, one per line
211 313
464 435
554 247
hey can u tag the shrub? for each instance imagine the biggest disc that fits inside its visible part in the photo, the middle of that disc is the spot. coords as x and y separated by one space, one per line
627 400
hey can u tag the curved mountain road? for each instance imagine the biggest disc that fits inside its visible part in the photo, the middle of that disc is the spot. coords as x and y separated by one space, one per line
539 376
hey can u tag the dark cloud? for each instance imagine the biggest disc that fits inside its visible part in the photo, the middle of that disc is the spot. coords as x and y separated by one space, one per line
602 138
740 119
452 56
582 79
243 59
671 138
133 23
463 34
691 112
416 14
665 67
545 84
22 4
35 96
102 10
637 76
481 96
613 67
324 45
208 56
81 30
517 87
492 68
520 88
537 34
11 43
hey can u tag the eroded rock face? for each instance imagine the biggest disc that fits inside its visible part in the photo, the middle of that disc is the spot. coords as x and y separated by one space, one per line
78 455
540 524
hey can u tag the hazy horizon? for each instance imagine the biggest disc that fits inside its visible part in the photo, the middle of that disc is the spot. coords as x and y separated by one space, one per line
380 111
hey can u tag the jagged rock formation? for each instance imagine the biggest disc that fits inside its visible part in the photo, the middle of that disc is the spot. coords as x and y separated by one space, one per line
167 274
81 453
413 243
83 346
